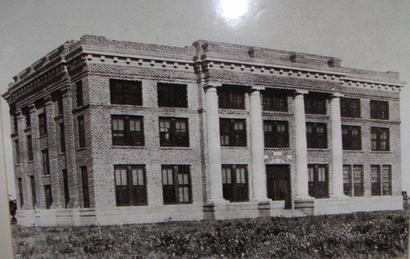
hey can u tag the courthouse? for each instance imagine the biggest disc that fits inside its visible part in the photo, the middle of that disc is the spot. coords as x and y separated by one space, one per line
117 132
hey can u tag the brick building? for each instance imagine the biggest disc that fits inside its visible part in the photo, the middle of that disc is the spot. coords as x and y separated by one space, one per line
111 132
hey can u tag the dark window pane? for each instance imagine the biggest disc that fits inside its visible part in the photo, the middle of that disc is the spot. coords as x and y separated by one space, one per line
125 92
379 110
29 147
21 197
79 93
174 131
316 135
375 180
66 190
235 183
127 130
33 191
176 184
315 104
380 139
46 165
172 95
48 196
350 107
62 137
276 134
42 124
318 181
85 189
231 97
351 137
81 131
130 185
233 132
274 100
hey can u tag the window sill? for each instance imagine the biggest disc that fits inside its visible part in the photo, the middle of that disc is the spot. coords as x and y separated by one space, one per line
42 136
81 149
127 147
60 116
234 147
277 148
381 152
28 129
283 113
30 162
61 154
353 150
174 147
132 206
182 203
318 149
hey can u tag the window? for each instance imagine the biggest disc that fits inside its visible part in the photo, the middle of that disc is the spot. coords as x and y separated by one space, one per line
42 124
350 107
276 133
380 139
29 148
127 130
172 95
46 166
21 197
59 103
33 190
176 184
125 92
173 132
275 101
235 183
130 185
17 148
375 179
353 186
351 137
81 132
85 190
315 104
318 181
379 110
66 190
15 123
233 132
62 138
316 135
48 195
26 113
79 93
386 180
231 97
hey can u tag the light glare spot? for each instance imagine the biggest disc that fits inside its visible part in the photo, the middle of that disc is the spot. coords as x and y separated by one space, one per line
233 10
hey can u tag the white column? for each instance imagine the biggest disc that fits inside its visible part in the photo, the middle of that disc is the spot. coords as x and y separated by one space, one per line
257 146
337 148
302 191
214 145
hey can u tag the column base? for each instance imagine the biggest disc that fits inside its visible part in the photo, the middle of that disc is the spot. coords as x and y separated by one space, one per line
263 206
338 197
305 205
209 208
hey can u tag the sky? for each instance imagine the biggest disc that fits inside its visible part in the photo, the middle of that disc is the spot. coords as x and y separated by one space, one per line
367 34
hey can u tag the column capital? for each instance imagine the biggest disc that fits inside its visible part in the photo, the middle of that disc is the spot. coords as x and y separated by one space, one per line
257 88
31 107
211 84
301 91
337 95
48 100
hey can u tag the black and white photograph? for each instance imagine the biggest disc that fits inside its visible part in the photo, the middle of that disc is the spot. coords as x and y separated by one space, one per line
204 129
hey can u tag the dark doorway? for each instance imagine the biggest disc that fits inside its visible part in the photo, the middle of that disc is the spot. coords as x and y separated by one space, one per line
318 181
48 196
278 181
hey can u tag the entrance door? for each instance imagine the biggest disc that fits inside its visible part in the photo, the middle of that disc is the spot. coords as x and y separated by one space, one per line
278 181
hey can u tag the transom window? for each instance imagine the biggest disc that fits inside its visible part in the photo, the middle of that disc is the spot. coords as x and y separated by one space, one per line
125 92
351 137
231 97
380 138
315 104
353 184
379 110
316 135
172 95
127 130
176 184
235 182
275 101
276 133
233 132
350 107
130 185
173 131
318 181
381 180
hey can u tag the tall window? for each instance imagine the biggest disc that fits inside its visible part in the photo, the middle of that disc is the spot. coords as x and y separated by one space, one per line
376 180
276 133
315 104
351 137
379 110
381 180
233 132
42 124
29 148
59 103
21 197
231 97
235 183
127 130
350 107
318 181
386 180
46 165
33 190
85 189
66 190
353 184
380 139
26 113
173 132
130 185
79 93
62 137
17 149
275 101
48 195
172 95
176 184
316 135
15 123
81 131
125 92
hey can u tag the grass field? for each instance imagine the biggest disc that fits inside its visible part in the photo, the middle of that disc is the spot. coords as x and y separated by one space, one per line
360 235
